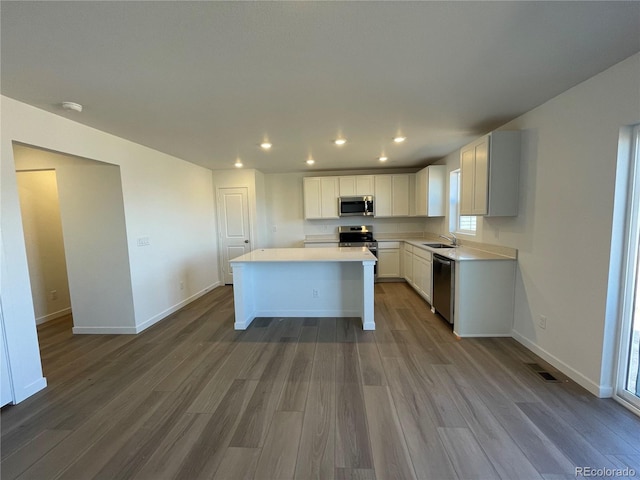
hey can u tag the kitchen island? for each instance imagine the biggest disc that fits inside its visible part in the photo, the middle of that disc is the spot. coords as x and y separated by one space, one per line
304 282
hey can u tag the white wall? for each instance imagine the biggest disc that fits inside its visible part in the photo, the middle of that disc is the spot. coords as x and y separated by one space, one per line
44 243
563 230
95 240
166 199
285 214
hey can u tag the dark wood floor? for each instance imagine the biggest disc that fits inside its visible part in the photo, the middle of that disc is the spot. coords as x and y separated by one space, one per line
306 398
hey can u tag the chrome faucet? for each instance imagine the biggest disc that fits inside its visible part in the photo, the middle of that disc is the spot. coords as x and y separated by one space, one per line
453 239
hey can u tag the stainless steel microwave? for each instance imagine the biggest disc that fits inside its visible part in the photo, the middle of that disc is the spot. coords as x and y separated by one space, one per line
356 206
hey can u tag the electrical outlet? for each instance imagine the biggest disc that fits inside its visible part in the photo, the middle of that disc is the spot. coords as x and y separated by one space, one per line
542 322
181 285
53 295
274 229
143 242
315 293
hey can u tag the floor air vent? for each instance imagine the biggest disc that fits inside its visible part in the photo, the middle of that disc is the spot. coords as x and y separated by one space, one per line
547 377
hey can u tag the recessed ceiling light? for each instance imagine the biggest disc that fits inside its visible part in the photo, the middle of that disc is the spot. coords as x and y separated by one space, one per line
265 145
238 163
76 107
399 139
383 158
340 141
311 161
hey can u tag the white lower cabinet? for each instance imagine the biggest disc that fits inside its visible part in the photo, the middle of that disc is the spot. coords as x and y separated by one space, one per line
484 291
417 270
422 271
389 260
484 298
407 263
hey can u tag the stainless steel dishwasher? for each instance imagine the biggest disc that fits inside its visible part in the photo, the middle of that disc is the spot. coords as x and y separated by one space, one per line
444 283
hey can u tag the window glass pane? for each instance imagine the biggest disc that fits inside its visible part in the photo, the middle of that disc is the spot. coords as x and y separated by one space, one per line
467 223
458 223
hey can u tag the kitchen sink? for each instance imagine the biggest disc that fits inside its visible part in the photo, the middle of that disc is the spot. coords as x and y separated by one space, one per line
439 245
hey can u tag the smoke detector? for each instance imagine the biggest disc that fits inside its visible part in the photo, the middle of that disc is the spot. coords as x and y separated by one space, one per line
76 107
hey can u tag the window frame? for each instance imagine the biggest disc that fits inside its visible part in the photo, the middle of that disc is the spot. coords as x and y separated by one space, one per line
455 224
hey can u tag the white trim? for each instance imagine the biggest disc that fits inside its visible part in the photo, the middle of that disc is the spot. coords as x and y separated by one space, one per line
601 391
53 316
308 313
628 405
629 271
301 313
104 330
485 335
162 315
143 326
454 207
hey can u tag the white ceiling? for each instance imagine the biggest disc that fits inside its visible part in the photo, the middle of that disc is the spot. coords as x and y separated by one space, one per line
206 81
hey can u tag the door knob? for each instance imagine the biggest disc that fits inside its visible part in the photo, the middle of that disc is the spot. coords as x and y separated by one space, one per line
246 241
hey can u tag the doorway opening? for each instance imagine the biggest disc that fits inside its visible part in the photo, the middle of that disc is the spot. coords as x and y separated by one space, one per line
76 243
44 244
42 226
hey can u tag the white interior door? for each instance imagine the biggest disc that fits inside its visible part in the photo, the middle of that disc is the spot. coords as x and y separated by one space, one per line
234 227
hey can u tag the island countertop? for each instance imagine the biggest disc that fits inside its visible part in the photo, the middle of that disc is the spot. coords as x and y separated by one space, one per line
304 282
330 254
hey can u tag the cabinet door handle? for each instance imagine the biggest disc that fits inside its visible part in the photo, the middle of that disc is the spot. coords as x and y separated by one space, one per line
246 241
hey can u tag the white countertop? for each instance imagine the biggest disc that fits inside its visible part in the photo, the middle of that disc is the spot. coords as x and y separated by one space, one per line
329 254
461 253
458 253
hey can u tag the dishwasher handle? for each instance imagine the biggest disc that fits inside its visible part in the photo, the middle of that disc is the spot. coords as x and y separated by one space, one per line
442 260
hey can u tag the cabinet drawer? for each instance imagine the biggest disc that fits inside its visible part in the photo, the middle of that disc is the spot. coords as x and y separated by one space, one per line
424 254
408 247
382 245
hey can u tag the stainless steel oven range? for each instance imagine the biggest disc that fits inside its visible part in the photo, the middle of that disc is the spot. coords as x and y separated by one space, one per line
359 236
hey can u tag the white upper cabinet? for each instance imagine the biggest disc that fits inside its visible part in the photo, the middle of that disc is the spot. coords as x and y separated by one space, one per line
355 185
320 197
489 175
430 191
383 195
391 195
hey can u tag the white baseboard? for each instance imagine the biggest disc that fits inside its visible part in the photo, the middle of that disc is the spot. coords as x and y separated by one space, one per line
484 335
104 330
308 313
301 313
53 316
162 315
601 391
